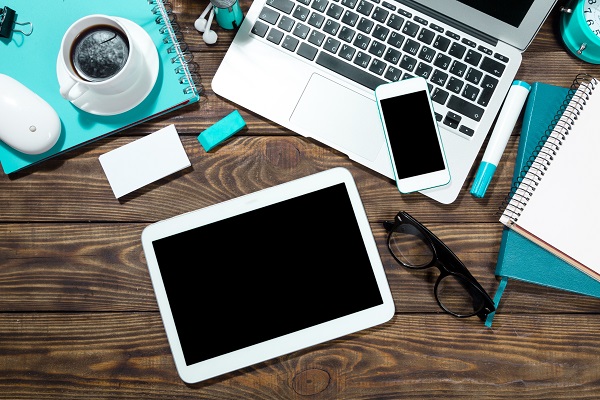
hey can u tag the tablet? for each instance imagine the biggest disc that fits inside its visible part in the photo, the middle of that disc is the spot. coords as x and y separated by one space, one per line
266 274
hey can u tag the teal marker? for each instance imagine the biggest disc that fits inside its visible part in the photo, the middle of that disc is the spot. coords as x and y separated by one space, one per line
513 104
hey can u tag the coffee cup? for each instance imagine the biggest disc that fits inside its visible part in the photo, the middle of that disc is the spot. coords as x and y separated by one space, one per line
100 56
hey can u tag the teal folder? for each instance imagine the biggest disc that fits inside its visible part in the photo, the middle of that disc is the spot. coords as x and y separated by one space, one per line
32 60
519 258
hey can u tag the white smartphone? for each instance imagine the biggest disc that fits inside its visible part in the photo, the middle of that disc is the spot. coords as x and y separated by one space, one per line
412 135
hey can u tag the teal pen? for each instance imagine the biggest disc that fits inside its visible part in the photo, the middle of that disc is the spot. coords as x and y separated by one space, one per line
513 104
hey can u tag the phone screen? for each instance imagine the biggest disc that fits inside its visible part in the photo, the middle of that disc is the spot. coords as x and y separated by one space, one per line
412 134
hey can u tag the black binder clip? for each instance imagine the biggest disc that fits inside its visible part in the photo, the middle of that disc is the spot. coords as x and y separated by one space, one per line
7 23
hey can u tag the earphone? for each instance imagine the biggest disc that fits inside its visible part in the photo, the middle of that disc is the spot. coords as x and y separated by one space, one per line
202 25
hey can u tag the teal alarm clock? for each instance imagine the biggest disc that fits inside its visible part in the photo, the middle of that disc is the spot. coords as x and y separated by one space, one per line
580 29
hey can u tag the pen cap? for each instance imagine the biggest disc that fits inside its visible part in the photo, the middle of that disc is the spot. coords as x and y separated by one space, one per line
482 179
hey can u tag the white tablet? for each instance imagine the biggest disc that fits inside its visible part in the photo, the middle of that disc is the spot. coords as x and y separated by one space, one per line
266 274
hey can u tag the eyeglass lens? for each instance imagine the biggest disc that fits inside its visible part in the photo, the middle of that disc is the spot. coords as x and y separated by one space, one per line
410 247
454 293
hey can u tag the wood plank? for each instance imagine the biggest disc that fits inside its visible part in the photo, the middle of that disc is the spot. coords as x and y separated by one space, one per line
73 187
100 267
126 356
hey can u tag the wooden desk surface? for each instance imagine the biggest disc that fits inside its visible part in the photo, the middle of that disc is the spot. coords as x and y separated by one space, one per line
79 320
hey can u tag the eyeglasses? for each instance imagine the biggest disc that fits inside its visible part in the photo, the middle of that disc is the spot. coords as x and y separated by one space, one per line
456 290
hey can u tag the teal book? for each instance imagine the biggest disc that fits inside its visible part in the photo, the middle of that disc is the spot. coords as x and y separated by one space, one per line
519 258
31 56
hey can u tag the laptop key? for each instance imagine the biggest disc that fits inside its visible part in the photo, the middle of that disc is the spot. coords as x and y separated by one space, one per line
282 5
275 36
393 74
439 96
260 29
426 36
408 63
316 20
269 15
286 23
346 34
350 18
347 52
316 38
488 84
331 27
365 25
348 70
452 120
492 66
365 7
410 29
307 51
439 78
301 13
301 30
290 43
467 109
320 5
362 41
441 43
332 45
467 131
377 67
335 11
395 21
396 39
474 76
380 14
457 50
362 59
473 57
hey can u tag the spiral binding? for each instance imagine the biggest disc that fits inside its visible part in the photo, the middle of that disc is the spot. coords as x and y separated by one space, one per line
548 147
183 59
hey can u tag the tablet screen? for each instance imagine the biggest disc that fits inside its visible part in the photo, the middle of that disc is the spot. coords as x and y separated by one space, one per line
266 273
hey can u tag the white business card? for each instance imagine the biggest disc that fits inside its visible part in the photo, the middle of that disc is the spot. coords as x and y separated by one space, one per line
144 161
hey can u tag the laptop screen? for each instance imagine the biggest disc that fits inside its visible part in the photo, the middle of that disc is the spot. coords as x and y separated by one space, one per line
510 11
514 22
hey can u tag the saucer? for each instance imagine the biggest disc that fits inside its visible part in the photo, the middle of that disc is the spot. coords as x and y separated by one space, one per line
102 104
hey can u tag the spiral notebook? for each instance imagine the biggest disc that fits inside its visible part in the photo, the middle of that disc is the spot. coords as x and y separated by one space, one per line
554 202
32 61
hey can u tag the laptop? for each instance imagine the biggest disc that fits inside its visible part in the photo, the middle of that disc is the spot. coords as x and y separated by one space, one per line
312 66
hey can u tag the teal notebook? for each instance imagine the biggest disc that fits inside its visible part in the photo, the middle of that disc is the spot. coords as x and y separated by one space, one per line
32 61
519 258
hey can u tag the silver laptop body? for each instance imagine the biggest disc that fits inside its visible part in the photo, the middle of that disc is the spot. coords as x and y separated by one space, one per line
285 61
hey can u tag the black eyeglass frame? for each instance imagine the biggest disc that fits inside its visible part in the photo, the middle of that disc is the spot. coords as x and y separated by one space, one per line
445 261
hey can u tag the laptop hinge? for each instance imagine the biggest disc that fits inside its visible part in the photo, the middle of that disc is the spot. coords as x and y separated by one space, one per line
447 20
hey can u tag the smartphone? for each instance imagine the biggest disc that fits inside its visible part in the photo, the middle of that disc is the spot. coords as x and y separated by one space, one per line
412 135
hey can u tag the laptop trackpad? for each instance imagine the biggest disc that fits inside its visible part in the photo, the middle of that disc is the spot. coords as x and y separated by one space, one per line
340 116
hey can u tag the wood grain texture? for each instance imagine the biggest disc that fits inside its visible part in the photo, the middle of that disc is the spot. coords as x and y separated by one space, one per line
79 320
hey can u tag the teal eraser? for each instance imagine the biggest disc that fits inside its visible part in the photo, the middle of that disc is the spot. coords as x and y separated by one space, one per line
221 130
482 179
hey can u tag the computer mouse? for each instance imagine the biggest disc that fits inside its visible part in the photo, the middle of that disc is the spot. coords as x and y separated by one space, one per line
27 122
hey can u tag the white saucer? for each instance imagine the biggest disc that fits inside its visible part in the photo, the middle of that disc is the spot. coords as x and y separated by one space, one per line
102 104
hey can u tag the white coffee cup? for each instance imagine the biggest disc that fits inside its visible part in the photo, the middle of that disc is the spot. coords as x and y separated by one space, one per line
112 60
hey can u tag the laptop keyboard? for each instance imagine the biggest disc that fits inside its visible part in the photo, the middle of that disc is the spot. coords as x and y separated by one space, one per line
374 41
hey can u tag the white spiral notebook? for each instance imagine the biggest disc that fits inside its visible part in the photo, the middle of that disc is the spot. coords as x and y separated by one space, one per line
555 201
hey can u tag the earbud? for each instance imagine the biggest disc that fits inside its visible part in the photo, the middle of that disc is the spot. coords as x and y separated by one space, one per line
209 36
200 23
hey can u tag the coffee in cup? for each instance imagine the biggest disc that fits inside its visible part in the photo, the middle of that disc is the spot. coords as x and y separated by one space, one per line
99 52
100 57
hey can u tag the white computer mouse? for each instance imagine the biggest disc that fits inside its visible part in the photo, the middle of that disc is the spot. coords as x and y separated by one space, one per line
27 122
